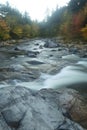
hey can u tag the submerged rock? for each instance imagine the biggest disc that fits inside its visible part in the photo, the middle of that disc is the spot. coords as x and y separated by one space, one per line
32 54
17 67
71 57
17 49
25 109
35 62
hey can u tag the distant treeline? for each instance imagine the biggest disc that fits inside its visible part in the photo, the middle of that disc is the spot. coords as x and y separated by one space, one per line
69 21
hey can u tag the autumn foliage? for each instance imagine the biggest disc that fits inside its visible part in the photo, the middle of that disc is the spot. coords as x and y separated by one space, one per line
69 21
14 25
4 30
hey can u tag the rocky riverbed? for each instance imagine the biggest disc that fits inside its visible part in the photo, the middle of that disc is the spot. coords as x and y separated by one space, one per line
36 77
38 60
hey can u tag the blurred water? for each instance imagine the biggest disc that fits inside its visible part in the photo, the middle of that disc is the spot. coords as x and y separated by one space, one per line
68 76
72 75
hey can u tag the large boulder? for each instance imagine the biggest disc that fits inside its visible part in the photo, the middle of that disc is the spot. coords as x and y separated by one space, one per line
50 44
25 109
71 104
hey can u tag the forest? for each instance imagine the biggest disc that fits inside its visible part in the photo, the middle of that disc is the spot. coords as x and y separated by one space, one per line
43 68
69 21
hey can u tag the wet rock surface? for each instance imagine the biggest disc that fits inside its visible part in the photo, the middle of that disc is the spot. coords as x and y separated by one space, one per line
25 109
35 64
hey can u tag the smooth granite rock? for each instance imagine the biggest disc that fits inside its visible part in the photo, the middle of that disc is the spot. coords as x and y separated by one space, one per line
25 109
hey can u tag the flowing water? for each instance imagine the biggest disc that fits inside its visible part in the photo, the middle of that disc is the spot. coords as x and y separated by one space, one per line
42 68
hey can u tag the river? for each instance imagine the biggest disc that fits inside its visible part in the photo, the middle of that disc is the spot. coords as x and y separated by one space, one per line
36 65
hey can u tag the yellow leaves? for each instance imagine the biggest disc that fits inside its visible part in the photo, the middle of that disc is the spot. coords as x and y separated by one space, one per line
4 30
17 30
84 32
3 26
26 30
14 25
6 36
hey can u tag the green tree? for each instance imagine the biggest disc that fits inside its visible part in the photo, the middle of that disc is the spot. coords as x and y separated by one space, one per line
34 29
76 5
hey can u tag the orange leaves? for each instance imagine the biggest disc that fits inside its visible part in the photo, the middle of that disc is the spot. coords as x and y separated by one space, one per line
3 25
74 24
4 30
77 22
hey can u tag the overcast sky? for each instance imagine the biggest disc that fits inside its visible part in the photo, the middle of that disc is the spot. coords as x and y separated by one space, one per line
37 9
